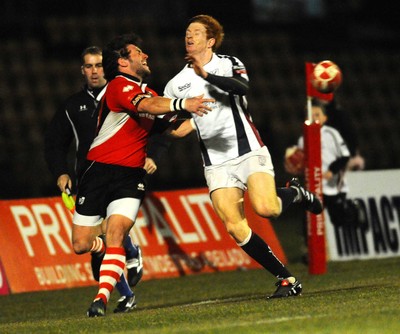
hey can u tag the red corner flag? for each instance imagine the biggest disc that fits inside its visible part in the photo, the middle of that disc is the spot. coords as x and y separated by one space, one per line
311 91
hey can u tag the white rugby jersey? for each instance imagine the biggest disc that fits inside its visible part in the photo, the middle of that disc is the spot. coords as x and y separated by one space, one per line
333 147
227 131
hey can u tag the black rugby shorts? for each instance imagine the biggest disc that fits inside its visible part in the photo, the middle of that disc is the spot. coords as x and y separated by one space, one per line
103 183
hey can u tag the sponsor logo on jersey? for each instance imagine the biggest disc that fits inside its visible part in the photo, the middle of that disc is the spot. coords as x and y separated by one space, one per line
127 88
83 107
81 200
146 115
140 187
185 86
262 161
139 98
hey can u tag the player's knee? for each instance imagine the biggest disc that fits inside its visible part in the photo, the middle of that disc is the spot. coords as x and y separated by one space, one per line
267 210
230 229
238 230
80 247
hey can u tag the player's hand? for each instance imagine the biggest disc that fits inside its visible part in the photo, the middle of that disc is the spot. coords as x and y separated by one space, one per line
198 105
196 65
64 182
356 163
150 166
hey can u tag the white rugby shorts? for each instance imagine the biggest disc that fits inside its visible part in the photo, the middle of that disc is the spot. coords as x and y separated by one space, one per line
235 172
127 207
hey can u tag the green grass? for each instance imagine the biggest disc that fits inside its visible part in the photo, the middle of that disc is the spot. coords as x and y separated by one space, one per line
353 297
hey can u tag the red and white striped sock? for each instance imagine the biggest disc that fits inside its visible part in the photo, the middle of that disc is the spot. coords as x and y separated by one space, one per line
98 246
110 271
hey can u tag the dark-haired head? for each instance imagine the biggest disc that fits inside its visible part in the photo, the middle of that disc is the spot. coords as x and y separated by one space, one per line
116 49
91 50
321 104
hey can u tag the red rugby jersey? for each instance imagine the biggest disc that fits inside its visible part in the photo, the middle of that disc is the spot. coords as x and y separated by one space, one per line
122 131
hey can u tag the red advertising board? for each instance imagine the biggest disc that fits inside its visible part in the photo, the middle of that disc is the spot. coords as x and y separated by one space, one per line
36 248
4 290
178 231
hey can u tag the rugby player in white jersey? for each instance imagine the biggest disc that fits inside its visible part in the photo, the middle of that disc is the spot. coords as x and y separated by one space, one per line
234 156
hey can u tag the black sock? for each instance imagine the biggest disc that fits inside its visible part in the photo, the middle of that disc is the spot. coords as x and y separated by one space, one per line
257 249
287 196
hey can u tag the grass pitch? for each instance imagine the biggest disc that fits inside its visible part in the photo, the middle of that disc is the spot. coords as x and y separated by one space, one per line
353 297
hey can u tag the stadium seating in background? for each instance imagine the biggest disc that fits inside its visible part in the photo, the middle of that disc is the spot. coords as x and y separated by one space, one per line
40 72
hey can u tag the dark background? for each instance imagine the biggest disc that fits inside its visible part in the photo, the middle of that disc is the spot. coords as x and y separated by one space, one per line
41 41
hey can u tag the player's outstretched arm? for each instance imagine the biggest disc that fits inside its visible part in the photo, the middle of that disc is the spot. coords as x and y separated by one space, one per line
161 105
182 130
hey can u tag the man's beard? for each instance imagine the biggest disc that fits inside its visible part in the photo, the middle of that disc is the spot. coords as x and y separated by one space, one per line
143 73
